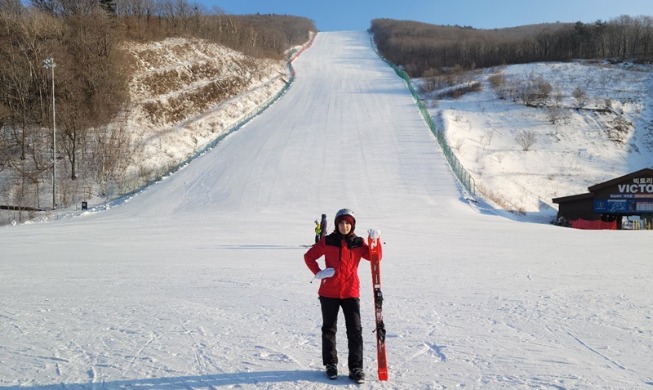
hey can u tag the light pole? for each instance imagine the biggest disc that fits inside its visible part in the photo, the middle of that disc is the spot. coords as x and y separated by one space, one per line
49 64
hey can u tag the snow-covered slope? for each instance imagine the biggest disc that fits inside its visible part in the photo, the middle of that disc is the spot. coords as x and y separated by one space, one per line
199 281
595 125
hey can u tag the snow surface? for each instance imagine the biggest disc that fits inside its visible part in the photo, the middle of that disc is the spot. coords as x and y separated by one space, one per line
199 281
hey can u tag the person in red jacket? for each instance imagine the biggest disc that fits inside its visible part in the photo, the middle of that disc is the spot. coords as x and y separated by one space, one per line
340 287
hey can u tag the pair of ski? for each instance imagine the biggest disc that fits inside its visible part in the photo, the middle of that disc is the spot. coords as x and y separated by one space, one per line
373 242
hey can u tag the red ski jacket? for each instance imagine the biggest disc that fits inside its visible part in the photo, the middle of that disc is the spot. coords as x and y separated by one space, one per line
343 254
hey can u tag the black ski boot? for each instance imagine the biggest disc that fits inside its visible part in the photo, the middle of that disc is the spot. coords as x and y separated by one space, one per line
332 371
357 375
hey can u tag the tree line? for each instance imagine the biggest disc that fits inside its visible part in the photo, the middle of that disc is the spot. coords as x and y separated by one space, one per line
85 40
425 50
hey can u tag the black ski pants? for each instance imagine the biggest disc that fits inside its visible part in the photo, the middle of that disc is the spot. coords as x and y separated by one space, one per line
352 312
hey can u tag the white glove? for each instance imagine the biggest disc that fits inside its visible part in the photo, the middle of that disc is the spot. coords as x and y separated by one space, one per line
325 273
374 233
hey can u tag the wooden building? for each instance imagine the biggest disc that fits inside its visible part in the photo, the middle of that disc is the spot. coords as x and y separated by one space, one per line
625 196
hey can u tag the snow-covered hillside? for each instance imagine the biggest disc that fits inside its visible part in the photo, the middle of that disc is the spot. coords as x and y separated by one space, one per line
186 92
199 281
596 124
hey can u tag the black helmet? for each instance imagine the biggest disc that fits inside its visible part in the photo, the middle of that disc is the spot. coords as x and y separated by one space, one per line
346 214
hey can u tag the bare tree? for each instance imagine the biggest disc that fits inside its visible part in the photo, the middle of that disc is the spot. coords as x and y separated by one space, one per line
109 6
13 7
141 9
93 96
48 6
580 95
25 41
555 112
526 139
68 7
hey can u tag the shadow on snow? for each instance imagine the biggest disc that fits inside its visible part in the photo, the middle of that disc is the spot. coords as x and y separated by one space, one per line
190 382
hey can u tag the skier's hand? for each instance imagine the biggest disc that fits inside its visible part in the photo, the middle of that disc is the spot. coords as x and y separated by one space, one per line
325 273
374 233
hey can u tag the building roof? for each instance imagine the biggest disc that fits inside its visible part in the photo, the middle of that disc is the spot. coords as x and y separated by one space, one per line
572 198
600 186
605 184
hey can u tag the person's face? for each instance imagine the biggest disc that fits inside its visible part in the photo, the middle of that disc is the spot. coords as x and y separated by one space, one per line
344 227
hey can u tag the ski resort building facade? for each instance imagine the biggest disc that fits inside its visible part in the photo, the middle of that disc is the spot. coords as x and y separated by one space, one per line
625 202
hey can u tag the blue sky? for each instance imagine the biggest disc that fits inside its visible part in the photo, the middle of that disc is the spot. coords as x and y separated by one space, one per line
337 15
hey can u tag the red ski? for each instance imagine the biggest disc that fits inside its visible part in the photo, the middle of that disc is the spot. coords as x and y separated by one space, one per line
376 252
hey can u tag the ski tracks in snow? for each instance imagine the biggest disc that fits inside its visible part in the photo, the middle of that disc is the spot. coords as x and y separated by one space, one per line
431 349
595 351
201 350
137 355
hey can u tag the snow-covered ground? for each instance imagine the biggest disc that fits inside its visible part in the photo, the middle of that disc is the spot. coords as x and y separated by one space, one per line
199 281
